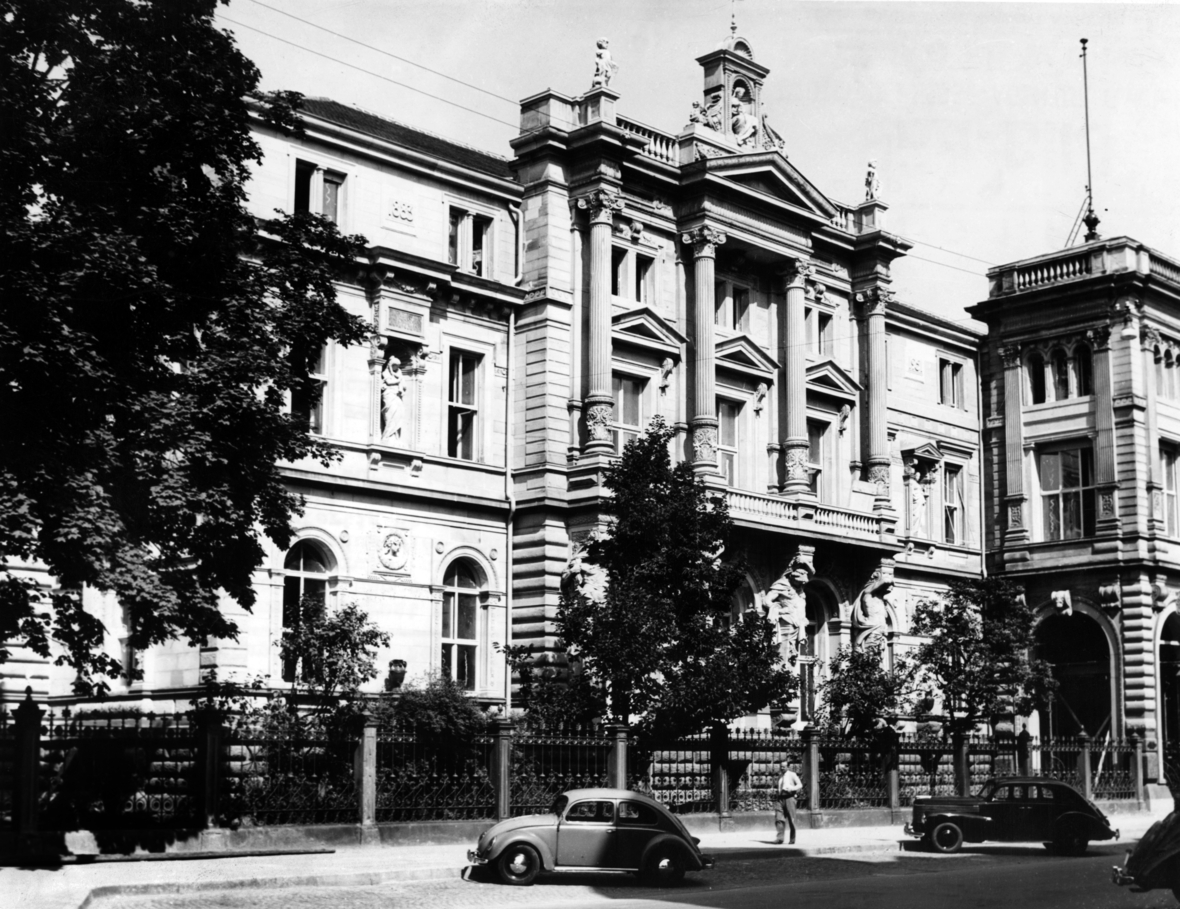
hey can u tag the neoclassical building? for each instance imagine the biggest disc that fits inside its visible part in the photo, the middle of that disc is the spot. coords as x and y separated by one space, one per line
1081 409
530 315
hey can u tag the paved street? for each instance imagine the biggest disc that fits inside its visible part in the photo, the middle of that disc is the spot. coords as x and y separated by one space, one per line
984 876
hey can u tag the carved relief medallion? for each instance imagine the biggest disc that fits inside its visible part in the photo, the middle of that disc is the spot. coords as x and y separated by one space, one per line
1106 504
598 419
796 464
1014 517
879 476
394 550
704 443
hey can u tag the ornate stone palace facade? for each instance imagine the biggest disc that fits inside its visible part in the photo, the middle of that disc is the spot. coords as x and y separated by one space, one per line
531 315
1081 407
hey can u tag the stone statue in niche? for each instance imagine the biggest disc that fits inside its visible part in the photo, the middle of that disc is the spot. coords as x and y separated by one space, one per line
604 67
392 397
872 182
786 609
745 127
917 505
870 616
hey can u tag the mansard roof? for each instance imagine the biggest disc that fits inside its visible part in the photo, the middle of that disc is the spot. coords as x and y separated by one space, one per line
407 137
770 173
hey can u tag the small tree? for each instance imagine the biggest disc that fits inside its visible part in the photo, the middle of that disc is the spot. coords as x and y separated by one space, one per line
648 621
861 691
335 651
979 654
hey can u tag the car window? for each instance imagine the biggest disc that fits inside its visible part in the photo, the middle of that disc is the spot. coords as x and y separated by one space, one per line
1014 793
637 815
1001 793
597 812
987 790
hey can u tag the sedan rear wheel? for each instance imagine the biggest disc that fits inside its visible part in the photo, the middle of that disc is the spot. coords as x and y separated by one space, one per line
946 838
1071 841
519 865
665 867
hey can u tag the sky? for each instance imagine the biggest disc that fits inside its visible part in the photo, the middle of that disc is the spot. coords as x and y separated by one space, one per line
974 112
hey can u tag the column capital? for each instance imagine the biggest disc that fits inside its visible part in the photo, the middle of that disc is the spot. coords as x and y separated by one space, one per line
703 240
1149 336
1099 338
601 204
1010 355
874 300
796 271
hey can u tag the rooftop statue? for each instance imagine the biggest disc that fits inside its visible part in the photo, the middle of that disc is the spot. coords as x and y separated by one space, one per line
872 182
604 67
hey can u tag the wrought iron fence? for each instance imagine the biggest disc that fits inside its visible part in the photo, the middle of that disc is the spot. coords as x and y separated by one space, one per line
296 777
109 770
1112 770
7 769
1059 759
548 761
433 779
679 774
851 774
754 758
925 768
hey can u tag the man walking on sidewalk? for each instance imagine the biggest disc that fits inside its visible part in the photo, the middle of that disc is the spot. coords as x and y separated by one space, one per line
787 790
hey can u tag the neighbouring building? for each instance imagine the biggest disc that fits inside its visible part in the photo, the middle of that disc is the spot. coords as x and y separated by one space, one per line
1081 410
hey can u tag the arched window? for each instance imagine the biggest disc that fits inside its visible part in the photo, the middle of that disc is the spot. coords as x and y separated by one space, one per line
1036 378
1060 364
305 589
1083 366
460 623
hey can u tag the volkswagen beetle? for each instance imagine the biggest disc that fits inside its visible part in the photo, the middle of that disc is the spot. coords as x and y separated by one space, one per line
592 830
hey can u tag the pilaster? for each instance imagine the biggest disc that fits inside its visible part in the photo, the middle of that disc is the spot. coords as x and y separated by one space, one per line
1149 340
1016 516
1105 478
704 242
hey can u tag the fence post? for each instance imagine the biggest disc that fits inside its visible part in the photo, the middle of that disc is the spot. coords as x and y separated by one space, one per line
719 764
27 726
890 762
209 736
962 759
616 762
811 768
502 766
1137 775
366 775
1023 751
1084 766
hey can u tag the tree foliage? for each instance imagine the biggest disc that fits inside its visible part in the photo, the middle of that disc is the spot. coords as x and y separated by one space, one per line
979 654
334 650
657 642
861 691
151 330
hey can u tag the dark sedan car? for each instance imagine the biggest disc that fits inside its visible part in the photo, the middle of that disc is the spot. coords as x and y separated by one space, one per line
1012 809
592 830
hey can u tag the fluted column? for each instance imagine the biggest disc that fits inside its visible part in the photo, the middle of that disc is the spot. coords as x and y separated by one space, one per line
1149 339
875 301
1016 530
793 419
1105 478
704 242
601 206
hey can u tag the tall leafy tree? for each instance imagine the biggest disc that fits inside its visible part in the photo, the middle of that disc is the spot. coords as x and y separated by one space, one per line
151 330
648 622
861 691
978 656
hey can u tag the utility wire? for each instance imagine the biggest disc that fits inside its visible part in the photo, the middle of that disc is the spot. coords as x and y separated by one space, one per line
512 101
470 110
953 253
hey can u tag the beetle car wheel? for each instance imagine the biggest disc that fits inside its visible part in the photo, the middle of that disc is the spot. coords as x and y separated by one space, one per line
665 867
519 865
946 838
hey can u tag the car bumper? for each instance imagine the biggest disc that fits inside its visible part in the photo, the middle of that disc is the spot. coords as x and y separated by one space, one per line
909 830
474 858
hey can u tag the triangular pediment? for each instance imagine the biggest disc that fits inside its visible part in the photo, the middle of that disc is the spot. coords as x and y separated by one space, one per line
742 354
647 328
830 375
927 450
771 174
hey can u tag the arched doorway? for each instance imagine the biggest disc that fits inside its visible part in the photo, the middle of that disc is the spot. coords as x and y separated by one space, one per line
1169 693
1076 647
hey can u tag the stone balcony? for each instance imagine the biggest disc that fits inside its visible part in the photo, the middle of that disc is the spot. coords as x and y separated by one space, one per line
1101 257
813 519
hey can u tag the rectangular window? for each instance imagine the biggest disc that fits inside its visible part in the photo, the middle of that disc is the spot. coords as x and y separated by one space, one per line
462 424
304 173
728 417
644 285
819 456
1168 459
318 191
628 410
1067 493
618 270
309 402
469 242
331 205
950 383
721 303
460 622
953 502
741 309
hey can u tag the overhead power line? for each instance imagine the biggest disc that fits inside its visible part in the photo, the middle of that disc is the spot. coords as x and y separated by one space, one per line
512 101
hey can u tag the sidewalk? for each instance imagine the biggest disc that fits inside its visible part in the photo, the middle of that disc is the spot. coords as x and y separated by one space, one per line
88 886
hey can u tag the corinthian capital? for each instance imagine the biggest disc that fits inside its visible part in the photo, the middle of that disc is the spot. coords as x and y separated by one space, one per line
703 240
601 204
1010 354
796 271
874 300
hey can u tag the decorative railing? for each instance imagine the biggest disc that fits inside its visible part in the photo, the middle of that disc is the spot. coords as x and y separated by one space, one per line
1052 271
1164 268
660 146
679 774
444 778
547 762
1105 257
754 758
775 510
